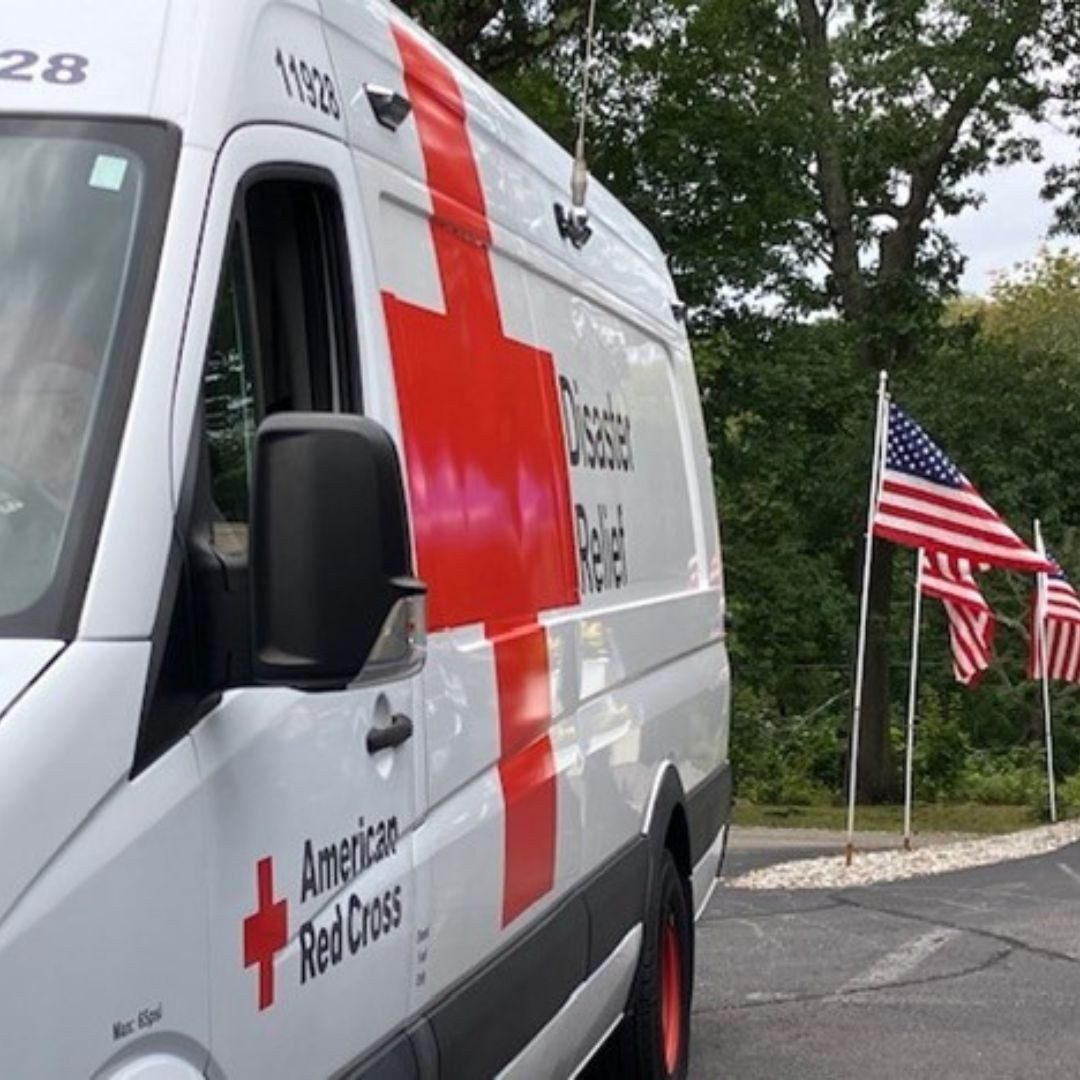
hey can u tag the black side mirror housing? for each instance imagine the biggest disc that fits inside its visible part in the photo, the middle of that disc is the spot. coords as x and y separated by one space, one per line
330 548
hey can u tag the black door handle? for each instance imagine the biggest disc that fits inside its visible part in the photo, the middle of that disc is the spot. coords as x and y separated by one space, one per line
398 731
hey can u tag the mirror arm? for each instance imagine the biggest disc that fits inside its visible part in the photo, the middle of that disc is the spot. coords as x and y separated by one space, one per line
404 588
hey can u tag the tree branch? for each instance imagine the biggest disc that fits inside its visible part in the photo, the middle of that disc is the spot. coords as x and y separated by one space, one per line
927 173
900 247
831 179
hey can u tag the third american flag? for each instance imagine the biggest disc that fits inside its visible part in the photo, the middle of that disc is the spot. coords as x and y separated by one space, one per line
1055 600
926 502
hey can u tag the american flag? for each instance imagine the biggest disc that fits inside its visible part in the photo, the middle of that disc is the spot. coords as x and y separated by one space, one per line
926 502
971 621
1056 601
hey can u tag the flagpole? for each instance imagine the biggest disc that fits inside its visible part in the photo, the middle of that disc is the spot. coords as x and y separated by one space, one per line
913 690
880 435
1040 618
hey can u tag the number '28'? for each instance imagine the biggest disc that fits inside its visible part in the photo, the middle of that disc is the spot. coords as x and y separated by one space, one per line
60 69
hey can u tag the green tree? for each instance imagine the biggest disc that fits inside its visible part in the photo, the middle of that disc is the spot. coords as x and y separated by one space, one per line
788 433
1036 310
872 117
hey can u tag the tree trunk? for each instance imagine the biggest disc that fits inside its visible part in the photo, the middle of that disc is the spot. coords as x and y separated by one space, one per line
878 780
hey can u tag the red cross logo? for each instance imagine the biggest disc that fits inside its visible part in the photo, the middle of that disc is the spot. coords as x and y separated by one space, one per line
266 932
488 477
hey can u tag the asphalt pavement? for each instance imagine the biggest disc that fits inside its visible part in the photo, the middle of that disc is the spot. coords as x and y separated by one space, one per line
969 974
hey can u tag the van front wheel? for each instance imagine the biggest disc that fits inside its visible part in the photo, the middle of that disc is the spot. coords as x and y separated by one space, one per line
652 1041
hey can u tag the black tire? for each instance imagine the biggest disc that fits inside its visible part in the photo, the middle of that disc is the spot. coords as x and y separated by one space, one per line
652 1041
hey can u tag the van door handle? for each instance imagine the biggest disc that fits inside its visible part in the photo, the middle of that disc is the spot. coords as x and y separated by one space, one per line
398 731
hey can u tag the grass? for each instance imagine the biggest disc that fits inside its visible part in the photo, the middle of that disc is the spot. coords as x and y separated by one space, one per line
926 818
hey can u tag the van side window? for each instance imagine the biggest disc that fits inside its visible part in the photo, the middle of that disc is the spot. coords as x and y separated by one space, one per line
281 337
229 404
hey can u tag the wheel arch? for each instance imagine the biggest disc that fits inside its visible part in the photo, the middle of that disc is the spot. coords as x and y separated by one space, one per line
666 825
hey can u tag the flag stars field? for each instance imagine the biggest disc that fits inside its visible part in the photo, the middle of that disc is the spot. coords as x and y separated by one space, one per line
911 450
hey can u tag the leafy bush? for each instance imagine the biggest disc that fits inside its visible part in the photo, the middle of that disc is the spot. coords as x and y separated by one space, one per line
1014 779
797 761
941 748
1068 795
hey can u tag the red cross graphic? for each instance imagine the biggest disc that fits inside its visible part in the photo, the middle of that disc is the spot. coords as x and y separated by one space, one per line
488 477
266 932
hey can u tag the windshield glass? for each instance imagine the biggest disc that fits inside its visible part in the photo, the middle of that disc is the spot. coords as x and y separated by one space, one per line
77 245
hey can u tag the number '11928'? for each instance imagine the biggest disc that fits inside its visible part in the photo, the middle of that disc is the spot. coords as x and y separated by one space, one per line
307 83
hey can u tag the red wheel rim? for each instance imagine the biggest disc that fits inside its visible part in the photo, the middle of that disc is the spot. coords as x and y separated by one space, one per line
671 992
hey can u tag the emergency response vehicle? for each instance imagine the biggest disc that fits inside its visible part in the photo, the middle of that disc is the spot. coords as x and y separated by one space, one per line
363 680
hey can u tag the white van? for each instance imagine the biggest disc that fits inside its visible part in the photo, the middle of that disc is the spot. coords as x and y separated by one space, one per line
362 669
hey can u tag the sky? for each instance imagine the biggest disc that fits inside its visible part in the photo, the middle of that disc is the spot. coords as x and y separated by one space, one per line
1012 224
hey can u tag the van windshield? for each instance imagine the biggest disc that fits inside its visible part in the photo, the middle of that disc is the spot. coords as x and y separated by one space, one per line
76 250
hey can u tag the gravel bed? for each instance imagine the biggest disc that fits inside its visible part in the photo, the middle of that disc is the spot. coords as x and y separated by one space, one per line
874 867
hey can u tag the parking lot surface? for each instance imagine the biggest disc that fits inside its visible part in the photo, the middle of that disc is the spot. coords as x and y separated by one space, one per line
969 974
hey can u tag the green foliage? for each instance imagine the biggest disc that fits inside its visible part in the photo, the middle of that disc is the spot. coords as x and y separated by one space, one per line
796 761
789 428
789 421
942 748
1036 311
813 149
1017 778
1068 795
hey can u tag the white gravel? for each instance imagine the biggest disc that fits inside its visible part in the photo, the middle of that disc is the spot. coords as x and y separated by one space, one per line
873 867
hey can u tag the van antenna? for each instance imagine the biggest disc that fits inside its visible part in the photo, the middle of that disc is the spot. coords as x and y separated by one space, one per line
574 225
579 181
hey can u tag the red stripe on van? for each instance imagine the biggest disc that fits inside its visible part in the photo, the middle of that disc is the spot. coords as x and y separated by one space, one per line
489 484
527 765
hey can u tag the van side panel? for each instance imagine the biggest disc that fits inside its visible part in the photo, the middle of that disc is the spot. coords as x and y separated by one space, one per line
651 672
484 451
103 956
547 395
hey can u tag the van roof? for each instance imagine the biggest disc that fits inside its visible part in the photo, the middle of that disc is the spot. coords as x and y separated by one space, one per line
209 67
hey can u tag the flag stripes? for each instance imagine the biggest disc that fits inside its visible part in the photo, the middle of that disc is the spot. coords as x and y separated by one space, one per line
1057 604
971 620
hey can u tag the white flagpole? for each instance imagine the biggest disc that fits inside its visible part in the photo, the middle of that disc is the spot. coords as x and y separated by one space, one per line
1040 619
913 690
881 430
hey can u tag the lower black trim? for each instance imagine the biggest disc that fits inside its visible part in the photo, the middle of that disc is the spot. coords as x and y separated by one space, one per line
426 1050
615 900
396 1062
482 1026
708 809
479 1026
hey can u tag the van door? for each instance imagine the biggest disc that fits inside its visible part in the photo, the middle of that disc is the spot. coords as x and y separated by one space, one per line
309 822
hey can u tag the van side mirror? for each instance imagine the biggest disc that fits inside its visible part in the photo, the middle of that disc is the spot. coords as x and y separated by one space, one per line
330 551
